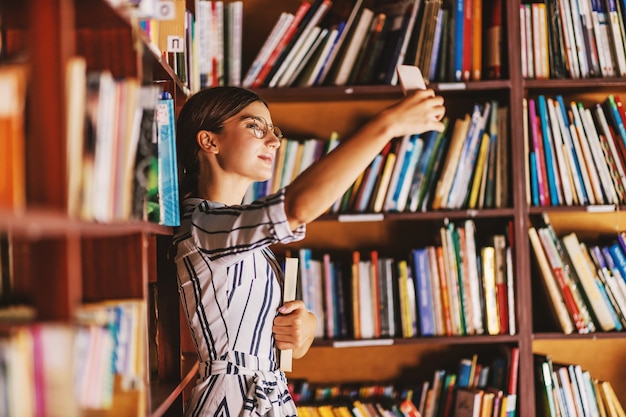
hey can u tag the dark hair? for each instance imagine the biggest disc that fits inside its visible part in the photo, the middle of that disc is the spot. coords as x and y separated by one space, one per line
205 110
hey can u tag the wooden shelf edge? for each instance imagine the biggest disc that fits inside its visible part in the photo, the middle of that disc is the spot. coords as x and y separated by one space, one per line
556 336
452 340
37 223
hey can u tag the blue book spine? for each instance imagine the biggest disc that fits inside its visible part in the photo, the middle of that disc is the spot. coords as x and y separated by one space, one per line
458 39
424 294
534 184
615 116
368 184
168 170
617 255
555 199
569 140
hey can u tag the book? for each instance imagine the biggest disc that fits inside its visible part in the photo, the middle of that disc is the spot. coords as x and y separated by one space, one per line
168 168
271 41
352 48
444 183
402 16
555 295
76 93
310 21
281 44
289 294
424 291
587 278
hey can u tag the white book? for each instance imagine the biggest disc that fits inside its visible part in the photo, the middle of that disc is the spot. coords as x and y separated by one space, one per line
349 57
365 300
474 277
310 25
510 287
566 389
217 37
530 64
314 38
584 8
560 157
523 46
569 39
289 294
270 43
588 279
570 152
579 38
616 36
587 157
601 30
601 117
234 41
326 49
105 141
598 155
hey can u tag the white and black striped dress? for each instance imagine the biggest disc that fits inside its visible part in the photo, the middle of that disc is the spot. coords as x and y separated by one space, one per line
230 285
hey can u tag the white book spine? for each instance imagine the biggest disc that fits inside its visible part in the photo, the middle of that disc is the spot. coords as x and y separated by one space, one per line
598 155
560 157
270 43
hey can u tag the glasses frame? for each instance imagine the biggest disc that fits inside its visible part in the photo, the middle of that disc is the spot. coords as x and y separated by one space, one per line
260 131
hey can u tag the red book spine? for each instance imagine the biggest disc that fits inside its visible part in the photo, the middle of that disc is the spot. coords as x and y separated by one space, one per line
276 53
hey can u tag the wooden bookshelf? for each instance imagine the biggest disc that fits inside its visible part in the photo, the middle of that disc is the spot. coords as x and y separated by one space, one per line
79 261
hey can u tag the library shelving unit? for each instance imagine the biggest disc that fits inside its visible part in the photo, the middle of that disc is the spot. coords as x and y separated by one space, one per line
318 111
59 262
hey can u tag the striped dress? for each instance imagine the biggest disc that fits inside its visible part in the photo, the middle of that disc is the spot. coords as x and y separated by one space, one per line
230 286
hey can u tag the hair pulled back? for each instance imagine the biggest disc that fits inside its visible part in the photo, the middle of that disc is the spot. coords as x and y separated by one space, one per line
207 109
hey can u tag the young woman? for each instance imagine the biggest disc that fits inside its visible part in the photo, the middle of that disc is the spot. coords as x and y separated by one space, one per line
229 281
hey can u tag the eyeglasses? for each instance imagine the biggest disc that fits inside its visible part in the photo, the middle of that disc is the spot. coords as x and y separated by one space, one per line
260 127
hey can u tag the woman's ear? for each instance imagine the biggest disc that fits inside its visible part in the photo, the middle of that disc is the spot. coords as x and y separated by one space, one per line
207 141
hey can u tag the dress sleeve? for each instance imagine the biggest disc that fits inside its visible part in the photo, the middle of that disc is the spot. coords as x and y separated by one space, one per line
225 233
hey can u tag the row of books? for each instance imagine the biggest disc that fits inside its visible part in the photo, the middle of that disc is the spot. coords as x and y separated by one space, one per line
573 38
576 153
568 389
585 282
464 389
204 49
101 354
34 379
464 166
121 156
454 288
320 44
109 351
326 42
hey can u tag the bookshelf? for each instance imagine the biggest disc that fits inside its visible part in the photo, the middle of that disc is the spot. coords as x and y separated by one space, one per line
61 263
315 112
80 261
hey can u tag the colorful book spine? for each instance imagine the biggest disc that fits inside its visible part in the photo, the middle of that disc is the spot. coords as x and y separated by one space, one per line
168 168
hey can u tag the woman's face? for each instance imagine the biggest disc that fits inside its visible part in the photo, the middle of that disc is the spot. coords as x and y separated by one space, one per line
248 143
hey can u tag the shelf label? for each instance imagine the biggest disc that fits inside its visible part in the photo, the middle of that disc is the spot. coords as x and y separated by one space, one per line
367 217
362 343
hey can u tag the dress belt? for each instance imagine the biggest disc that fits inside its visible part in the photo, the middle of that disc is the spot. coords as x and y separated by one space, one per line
268 393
